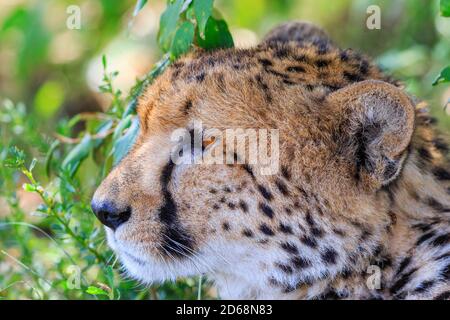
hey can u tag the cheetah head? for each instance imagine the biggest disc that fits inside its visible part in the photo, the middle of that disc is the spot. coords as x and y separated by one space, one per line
343 131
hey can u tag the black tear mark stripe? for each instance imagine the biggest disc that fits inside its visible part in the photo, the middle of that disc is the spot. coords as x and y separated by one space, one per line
176 240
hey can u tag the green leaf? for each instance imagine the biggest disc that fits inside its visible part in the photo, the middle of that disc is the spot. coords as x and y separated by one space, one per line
139 5
184 36
77 154
168 23
217 35
56 227
109 274
131 108
17 19
49 156
102 129
16 158
190 15
123 144
202 11
104 62
444 76
123 124
48 99
32 164
28 187
445 8
96 291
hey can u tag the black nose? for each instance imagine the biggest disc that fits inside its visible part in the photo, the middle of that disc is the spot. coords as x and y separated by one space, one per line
109 215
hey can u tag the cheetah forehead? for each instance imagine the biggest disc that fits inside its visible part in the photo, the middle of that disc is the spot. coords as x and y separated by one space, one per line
260 79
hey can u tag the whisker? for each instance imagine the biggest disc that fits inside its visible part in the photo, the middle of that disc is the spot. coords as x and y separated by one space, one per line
195 254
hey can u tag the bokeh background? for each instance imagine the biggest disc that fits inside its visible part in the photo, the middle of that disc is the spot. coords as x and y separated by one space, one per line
56 71
49 73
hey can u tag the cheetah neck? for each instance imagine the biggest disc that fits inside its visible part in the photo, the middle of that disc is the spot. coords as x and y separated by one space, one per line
414 260
419 239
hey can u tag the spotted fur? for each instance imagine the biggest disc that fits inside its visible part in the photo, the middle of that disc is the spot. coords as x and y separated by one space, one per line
363 178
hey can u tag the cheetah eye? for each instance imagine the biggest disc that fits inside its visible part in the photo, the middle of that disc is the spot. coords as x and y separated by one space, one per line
192 145
207 141
201 139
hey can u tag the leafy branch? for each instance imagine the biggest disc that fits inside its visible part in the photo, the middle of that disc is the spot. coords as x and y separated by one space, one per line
187 23
444 75
17 161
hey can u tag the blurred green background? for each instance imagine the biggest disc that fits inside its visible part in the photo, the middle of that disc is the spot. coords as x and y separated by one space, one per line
49 73
57 71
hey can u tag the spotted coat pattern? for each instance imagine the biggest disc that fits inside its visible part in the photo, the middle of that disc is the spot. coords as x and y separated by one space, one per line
358 210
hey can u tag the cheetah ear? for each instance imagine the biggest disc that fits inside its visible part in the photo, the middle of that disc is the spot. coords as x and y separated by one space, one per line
376 124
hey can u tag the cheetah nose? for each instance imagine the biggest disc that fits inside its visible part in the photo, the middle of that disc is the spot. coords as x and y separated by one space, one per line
109 215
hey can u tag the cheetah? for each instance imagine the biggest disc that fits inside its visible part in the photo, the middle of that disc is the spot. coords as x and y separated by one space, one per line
359 208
